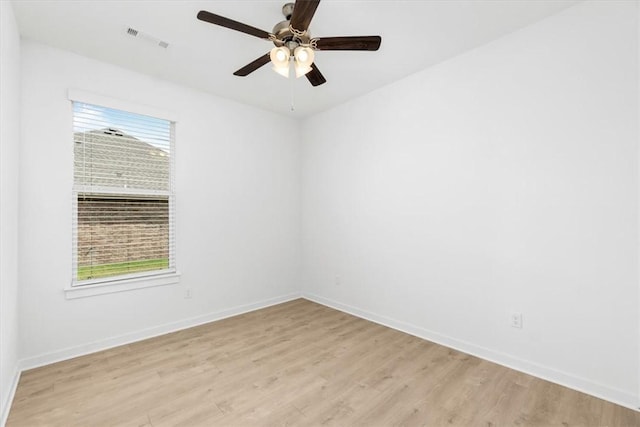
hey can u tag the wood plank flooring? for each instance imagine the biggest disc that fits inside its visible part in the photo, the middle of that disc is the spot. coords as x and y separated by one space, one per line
297 363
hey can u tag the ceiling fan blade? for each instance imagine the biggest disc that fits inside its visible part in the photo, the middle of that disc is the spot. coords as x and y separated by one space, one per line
303 11
203 15
252 66
315 77
349 43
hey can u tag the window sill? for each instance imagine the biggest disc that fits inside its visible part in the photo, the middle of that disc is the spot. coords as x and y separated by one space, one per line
73 292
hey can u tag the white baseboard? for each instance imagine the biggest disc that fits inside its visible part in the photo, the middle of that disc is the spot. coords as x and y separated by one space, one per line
104 344
6 405
583 385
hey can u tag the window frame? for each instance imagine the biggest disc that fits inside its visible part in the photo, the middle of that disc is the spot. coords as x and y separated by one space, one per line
120 283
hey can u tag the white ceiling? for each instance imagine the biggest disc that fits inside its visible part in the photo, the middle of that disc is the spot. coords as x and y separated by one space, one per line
415 35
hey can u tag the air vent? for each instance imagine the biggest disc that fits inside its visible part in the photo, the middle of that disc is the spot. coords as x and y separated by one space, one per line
146 37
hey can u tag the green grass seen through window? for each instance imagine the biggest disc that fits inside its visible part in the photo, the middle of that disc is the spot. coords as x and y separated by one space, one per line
108 270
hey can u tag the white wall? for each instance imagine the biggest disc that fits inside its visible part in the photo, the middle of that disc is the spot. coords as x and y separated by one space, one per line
237 209
505 179
9 148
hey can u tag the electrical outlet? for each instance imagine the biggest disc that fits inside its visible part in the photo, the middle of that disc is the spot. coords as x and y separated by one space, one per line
516 320
187 293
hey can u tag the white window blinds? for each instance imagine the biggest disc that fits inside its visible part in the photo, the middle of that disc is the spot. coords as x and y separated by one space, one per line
123 223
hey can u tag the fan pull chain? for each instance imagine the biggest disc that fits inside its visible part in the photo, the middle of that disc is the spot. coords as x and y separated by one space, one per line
292 80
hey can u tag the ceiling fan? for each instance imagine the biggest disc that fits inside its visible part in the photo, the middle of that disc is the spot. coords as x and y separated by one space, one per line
292 40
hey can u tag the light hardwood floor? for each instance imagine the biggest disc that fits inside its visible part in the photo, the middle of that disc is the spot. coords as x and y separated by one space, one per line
297 363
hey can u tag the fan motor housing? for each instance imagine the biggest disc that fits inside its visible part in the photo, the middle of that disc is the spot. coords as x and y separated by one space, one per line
283 33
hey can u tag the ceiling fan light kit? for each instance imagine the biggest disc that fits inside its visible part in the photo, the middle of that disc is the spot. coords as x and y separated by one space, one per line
293 41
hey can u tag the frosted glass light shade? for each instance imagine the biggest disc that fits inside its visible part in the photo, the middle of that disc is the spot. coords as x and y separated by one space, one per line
304 57
280 59
301 71
283 71
279 56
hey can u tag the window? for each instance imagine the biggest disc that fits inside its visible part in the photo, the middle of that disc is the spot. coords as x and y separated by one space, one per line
123 199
